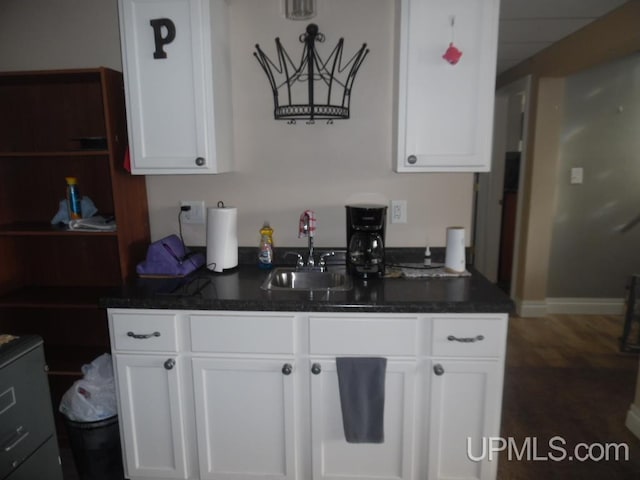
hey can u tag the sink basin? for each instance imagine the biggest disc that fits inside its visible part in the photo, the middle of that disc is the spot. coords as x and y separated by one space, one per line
291 279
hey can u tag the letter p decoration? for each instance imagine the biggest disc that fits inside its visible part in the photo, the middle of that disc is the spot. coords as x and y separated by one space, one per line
159 39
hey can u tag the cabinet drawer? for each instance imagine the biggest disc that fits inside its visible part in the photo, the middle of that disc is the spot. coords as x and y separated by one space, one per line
468 337
242 333
363 336
43 464
26 417
154 332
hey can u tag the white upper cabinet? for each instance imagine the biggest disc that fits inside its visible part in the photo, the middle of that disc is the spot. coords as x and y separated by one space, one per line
445 111
178 85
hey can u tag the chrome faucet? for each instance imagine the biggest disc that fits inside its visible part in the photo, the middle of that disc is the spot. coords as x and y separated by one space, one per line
310 263
306 228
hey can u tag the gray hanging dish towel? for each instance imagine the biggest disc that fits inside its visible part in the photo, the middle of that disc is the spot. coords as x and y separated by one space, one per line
361 384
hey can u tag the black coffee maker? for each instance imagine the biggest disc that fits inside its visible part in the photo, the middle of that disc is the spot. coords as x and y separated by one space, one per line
365 240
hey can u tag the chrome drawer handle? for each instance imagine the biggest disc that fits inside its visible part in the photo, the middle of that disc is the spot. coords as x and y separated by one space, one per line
477 338
16 439
142 336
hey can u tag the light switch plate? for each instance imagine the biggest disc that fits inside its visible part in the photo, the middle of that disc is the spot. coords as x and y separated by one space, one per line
577 174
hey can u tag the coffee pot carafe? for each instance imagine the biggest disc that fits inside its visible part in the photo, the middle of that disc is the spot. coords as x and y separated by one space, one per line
365 240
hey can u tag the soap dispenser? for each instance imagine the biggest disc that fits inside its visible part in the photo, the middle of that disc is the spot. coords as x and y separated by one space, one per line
265 254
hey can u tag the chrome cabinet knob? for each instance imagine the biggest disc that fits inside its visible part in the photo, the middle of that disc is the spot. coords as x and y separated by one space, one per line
412 159
169 364
316 368
438 369
200 161
287 369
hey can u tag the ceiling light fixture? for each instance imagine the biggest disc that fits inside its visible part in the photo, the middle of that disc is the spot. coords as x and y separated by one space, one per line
299 9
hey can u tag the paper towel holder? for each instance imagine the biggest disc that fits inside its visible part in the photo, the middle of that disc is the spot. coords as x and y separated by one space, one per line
455 255
222 240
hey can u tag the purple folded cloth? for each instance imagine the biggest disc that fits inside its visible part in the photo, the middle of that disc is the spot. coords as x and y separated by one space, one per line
168 257
361 383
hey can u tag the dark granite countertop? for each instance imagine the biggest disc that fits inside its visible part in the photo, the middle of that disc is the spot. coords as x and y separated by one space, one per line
239 289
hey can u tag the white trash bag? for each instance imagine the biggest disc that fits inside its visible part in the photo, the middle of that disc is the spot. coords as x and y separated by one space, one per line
93 397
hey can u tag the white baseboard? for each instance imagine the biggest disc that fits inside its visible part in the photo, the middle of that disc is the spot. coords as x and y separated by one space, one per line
633 420
528 309
586 306
572 306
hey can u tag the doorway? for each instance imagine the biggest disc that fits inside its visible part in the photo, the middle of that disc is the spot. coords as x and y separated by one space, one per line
499 196
510 188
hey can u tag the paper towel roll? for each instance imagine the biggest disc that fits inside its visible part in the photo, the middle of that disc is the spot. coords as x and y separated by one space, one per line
222 238
455 253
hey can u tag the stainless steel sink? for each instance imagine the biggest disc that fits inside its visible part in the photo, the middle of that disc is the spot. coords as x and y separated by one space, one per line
284 278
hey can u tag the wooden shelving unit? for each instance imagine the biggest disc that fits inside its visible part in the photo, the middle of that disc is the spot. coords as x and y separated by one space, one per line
52 278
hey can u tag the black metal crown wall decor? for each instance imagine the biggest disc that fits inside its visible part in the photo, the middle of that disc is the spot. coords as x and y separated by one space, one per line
314 88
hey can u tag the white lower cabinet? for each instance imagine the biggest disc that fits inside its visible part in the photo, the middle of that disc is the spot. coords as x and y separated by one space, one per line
151 419
335 459
464 411
245 410
255 395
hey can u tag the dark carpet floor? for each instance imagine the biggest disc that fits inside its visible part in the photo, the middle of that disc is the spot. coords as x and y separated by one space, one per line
579 405
565 377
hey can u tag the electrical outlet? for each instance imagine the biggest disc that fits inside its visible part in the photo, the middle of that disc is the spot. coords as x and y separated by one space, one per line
195 214
398 211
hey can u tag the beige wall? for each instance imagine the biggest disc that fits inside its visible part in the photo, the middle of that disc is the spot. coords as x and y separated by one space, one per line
280 169
541 175
600 135
614 36
45 34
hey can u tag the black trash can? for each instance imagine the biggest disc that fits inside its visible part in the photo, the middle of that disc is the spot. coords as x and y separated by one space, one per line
96 448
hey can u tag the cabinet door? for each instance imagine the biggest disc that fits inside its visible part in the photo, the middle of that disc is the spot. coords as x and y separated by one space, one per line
245 410
335 459
445 112
167 59
151 419
465 407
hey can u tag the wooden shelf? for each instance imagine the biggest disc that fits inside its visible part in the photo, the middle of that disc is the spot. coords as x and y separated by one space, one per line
62 364
55 297
46 229
53 155
51 76
55 124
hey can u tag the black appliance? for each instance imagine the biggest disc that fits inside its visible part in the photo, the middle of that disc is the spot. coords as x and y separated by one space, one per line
365 240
